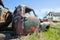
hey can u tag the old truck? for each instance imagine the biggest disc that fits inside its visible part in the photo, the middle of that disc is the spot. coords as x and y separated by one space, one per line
23 19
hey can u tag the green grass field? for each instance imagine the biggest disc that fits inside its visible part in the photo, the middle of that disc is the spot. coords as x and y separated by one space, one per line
52 34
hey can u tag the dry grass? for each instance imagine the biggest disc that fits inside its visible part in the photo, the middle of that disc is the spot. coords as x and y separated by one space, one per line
52 34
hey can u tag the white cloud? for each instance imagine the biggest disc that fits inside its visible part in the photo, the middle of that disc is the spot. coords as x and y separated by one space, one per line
44 11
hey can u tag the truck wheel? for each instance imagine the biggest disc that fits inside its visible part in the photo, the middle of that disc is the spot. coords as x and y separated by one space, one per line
47 27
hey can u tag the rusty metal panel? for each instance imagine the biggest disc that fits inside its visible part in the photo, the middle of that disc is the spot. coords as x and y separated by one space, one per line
3 13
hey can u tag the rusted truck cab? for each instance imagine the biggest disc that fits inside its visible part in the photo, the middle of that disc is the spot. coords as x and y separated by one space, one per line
25 20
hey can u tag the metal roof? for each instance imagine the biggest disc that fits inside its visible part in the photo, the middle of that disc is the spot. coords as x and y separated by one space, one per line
54 13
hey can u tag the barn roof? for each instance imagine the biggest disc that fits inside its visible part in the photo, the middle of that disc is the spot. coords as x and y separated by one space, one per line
54 13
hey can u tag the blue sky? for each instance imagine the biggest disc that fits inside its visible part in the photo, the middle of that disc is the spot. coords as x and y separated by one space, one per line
41 7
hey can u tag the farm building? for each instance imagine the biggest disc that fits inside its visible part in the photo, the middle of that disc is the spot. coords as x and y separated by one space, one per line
53 16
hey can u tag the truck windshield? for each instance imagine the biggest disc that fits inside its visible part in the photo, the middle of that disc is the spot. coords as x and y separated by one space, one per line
29 14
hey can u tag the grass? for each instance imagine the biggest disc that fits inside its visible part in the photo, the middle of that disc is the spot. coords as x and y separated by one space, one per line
52 34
